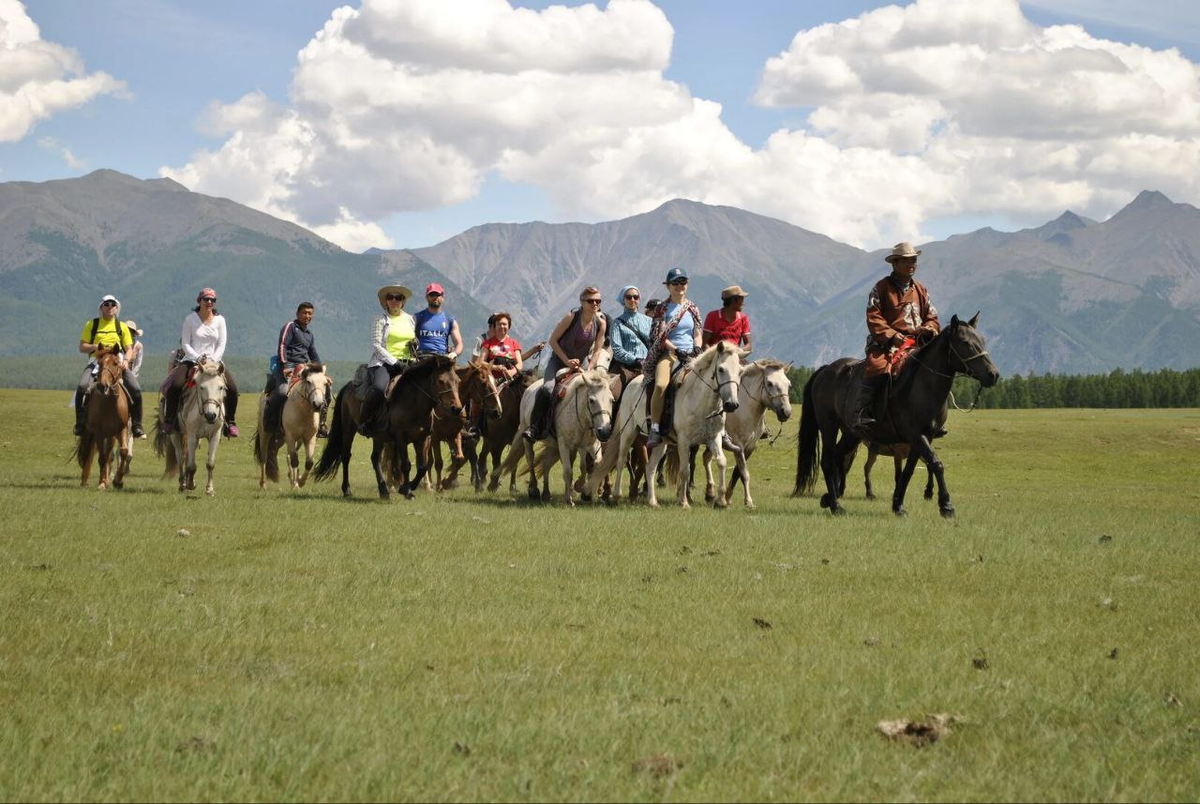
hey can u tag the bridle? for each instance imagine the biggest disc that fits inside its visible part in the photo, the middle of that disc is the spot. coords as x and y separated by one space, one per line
715 386
111 369
770 399
594 408
964 371
202 400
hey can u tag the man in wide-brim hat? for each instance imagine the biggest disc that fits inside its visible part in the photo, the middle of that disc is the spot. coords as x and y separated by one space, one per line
898 308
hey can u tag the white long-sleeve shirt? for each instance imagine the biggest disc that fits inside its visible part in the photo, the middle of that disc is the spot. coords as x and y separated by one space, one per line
199 339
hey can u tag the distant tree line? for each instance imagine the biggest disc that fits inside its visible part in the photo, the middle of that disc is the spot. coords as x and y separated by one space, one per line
1165 388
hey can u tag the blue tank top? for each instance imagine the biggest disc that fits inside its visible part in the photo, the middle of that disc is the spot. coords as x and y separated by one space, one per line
684 334
433 331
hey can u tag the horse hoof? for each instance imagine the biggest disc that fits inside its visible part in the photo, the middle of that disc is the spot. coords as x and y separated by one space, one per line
900 511
720 505
870 496
948 512
347 494
709 497
837 510
587 498
655 505
546 495
534 495
825 500
210 492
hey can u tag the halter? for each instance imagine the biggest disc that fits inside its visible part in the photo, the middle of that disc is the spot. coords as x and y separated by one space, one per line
716 389
592 412
200 402
767 404
307 380
964 372
114 371
436 399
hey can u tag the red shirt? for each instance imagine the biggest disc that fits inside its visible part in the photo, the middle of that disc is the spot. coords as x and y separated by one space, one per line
715 324
493 348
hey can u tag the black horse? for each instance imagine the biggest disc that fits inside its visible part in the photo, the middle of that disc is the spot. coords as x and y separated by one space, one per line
916 409
420 388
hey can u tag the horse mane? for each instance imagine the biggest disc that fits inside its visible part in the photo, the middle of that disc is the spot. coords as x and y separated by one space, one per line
419 371
766 363
705 357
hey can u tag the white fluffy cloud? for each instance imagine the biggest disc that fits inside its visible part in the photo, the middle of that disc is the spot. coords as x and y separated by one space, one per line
38 78
940 107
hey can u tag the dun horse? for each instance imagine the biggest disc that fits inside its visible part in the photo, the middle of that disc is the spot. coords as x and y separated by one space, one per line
477 387
107 423
418 390
201 415
301 418
916 408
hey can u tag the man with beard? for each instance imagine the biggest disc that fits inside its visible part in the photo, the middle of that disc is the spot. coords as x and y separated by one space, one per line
437 332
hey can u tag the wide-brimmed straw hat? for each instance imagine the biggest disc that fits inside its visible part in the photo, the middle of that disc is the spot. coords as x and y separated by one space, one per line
386 289
133 326
902 250
732 291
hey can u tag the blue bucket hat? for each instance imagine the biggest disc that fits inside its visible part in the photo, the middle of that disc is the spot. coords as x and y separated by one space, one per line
675 273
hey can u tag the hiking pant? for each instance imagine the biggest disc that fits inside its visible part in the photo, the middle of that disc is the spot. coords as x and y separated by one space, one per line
662 376
131 385
174 389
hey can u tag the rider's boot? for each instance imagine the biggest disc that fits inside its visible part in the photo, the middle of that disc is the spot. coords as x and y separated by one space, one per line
369 411
323 429
655 437
864 418
135 415
79 411
541 404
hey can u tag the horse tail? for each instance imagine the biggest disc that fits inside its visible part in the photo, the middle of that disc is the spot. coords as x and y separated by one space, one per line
161 440
83 448
672 466
266 457
331 456
808 452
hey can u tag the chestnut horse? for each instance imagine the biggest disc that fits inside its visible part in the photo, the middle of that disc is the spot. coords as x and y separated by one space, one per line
107 422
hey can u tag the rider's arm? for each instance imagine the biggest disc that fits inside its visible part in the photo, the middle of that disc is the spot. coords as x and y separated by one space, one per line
518 363
881 331
620 353
747 343
559 330
219 352
379 341
697 332
87 348
185 339
456 338
598 344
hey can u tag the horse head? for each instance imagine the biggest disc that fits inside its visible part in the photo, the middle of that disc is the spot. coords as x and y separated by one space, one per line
599 401
968 353
479 385
317 384
776 387
210 386
108 358
720 367
444 381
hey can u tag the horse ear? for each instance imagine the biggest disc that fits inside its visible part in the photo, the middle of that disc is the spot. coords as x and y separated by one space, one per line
974 320
221 368
954 322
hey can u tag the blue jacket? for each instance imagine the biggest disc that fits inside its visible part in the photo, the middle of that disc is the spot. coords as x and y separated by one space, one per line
627 347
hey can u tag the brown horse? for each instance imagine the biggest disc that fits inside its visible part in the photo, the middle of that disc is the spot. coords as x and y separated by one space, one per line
107 422
419 389
898 453
477 387
916 409
501 431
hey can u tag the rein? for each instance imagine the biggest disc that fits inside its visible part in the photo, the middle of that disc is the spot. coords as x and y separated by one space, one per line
964 372
715 389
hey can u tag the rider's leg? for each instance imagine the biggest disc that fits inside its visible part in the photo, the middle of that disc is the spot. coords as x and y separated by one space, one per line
174 387
85 382
874 376
135 407
662 376
541 406
273 413
231 403
379 376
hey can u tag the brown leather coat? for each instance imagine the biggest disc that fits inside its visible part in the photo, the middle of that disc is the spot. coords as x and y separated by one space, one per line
896 310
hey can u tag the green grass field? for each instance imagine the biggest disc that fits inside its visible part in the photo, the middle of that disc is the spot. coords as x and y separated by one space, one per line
454 647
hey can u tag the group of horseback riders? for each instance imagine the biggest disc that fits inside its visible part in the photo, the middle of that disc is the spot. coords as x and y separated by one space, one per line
655 344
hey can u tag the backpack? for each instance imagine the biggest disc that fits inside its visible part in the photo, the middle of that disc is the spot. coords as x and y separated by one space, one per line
96 326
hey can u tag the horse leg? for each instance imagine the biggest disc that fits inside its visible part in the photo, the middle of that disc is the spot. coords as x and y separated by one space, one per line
685 459
740 470
656 456
548 459
871 456
937 470
380 480
105 457
310 447
211 463
533 487
914 455
929 484
125 456
831 468
567 456
293 453
710 491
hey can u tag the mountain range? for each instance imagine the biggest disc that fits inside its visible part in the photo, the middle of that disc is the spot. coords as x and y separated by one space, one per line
1073 295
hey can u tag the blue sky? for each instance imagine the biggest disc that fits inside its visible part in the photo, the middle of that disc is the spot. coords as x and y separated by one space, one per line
177 59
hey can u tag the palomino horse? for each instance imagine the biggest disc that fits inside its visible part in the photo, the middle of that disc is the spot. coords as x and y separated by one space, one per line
201 415
476 387
582 421
301 418
500 432
916 409
420 388
764 386
107 422
707 390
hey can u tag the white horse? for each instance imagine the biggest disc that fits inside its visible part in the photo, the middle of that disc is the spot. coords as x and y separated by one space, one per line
582 421
707 391
764 386
301 418
201 415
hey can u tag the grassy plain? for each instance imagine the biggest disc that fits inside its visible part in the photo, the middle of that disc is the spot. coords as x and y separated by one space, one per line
301 646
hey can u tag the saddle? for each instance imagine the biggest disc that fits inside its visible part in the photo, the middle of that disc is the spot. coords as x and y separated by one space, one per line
361 382
562 381
678 372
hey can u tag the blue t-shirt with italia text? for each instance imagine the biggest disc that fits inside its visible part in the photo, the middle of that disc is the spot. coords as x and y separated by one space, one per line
433 331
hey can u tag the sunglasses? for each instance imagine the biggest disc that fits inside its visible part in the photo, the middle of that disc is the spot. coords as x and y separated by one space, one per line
394 297
679 282
631 297
108 304
592 301
434 295
209 299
